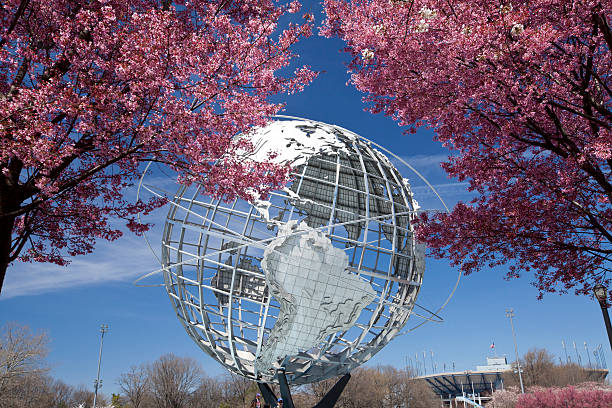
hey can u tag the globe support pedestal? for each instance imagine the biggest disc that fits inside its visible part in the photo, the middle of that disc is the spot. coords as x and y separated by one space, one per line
284 390
328 401
268 394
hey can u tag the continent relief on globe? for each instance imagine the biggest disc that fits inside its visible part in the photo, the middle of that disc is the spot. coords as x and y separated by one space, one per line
318 296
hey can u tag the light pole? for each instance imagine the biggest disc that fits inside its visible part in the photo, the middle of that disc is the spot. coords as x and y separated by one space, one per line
577 354
424 362
98 382
510 315
433 367
565 351
601 293
588 355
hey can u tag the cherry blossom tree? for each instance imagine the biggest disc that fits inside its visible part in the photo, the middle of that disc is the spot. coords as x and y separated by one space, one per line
521 92
593 396
91 89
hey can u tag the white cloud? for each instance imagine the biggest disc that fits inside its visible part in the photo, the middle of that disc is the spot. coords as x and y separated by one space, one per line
444 188
129 258
428 165
123 260
451 193
424 161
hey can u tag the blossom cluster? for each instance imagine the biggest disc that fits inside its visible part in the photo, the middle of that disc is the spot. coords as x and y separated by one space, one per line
592 395
91 90
522 92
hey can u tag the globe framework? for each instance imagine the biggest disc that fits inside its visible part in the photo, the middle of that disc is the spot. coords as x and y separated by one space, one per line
315 279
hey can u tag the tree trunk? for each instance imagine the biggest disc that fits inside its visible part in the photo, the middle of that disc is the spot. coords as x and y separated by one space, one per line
9 202
6 231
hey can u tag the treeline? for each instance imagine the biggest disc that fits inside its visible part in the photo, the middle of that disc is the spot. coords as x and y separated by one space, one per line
548 384
539 369
178 382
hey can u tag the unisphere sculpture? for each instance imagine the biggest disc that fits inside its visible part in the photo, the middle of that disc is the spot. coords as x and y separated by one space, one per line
312 281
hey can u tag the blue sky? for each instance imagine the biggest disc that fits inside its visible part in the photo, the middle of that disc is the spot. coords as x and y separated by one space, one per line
71 303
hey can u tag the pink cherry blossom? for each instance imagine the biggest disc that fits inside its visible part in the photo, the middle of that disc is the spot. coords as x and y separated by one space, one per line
585 397
91 90
521 91
590 394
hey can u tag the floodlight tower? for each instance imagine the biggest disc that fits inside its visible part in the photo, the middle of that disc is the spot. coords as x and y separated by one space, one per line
97 381
510 315
587 353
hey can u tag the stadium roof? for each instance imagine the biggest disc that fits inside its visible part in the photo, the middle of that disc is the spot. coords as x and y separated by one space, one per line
458 383
476 382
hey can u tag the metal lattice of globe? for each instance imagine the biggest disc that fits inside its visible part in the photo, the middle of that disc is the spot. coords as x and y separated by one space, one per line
314 280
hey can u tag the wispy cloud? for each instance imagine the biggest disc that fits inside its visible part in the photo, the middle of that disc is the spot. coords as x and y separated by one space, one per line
422 162
119 261
429 166
129 258
451 193
444 188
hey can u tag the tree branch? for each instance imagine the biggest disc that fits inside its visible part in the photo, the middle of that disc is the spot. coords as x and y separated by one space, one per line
73 182
601 21
20 10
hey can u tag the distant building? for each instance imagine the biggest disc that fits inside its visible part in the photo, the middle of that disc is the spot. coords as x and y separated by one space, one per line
477 385
495 364
480 384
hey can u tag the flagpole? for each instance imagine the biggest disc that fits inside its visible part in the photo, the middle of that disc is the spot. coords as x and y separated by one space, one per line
510 315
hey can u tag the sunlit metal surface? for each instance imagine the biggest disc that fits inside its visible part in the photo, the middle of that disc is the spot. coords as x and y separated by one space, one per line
349 194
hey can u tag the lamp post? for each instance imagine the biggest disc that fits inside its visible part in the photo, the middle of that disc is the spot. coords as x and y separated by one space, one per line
510 315
601 293
98 382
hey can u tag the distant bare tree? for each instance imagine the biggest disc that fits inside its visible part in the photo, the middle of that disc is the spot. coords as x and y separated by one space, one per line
318 389
573 374
134 384
21 353
539 369
402 390
22 356
239 391
25 391
173 379
363 389
302 399
379 387
61 394
210 393
41 391
84 397
230 390
419 394
23 379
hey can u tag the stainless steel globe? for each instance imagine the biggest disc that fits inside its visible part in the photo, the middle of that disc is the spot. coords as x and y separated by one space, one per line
315 279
